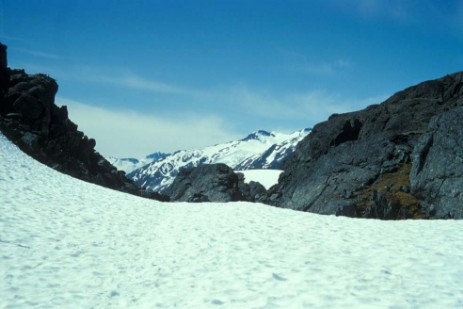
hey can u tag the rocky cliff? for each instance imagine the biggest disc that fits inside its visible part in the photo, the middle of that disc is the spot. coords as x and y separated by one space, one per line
395 160
31 119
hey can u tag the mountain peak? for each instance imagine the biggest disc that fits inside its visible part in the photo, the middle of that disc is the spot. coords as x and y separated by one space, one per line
257 134
260 149
157 156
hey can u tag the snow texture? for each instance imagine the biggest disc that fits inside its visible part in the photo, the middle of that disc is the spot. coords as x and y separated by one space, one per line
70 244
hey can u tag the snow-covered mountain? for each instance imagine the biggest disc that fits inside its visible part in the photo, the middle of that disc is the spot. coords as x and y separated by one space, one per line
259 150
66 243
130 164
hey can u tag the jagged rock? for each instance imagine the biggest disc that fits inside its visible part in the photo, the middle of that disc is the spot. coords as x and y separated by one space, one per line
214 183
354 164
437 173
28 106
30 118
252 191
206 183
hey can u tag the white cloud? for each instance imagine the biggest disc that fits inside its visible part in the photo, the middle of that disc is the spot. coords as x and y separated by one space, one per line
326 68
137 82
124 133
116 77
313 106
38 53
300 62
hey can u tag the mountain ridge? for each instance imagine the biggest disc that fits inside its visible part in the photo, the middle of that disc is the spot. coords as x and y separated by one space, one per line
260 149
130 164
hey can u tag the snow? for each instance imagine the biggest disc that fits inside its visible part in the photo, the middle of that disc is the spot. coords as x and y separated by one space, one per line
160 174
267 178
69 244
128 164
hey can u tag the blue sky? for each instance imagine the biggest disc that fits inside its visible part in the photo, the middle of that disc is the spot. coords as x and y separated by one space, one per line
145 76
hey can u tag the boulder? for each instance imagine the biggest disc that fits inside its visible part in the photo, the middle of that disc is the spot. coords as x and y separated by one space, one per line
252 191
206 183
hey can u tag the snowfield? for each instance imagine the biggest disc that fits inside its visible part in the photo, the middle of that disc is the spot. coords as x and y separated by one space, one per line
267 178
65 243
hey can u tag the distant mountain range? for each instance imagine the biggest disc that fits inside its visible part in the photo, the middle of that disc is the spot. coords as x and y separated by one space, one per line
258 150
128 165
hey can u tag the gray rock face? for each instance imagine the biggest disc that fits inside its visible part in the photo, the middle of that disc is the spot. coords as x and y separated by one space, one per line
358 164
437 174
214 183
206 183
252 191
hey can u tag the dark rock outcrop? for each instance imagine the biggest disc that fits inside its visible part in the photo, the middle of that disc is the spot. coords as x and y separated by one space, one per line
214 183
31 120
358 164
252 191
206 183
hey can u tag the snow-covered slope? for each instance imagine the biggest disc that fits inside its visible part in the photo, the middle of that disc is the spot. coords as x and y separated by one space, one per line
258 150
128 165
65 243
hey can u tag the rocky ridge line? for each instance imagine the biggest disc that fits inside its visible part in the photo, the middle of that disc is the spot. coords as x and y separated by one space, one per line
30 118
400 159
388 161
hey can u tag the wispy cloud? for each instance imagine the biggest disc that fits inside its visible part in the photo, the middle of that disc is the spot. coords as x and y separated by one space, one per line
125 133
312 106
327 68
6 39
392 9
429 15
300 62
120 78
134 133
37 53
134 81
